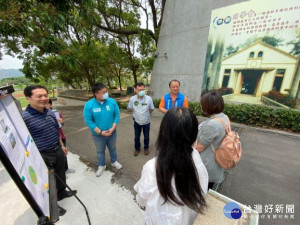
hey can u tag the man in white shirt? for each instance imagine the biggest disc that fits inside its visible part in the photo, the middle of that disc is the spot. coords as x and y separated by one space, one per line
142 106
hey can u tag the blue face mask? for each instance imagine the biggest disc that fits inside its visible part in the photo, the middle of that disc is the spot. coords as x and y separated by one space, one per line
105 96
142 93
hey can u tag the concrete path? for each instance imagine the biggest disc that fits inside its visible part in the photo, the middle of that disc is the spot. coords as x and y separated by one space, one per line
268 174
243 98
106 203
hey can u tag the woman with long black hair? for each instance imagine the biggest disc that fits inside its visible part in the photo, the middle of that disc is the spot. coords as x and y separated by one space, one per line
174 183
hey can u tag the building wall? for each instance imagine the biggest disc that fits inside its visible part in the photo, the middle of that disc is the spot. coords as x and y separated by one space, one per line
183 37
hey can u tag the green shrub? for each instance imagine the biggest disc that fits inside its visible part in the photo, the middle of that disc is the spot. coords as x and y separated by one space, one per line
224 91
255 115
195 107
156 103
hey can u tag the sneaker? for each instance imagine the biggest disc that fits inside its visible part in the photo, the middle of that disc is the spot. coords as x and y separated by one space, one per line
70 171
100 170
117 165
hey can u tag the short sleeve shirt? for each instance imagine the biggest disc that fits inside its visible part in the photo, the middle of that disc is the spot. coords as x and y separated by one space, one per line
43 127
212 132
141 109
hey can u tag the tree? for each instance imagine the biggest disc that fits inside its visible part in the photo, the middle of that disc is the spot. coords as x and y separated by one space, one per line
296 46
230 50
67 40
270 40
121 20
54 43
118 63
109 13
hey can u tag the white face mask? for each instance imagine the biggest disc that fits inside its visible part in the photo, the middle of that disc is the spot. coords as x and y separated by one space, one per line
105 96
142 93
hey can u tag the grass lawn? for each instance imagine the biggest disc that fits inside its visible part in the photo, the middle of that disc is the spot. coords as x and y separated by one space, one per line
23 102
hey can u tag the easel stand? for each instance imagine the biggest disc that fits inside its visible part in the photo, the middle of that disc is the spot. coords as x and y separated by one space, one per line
16 178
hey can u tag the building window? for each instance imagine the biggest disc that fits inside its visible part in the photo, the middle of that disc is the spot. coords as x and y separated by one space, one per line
260 54
226 77
280 72
251 55
225 81
278 79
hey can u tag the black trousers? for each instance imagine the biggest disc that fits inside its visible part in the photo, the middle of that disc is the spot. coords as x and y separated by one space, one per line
55 158
66 164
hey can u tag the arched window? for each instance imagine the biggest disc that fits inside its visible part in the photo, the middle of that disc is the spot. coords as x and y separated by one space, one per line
260 54
251 55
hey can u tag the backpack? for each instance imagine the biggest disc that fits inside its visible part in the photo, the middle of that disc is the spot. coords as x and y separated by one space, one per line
230 151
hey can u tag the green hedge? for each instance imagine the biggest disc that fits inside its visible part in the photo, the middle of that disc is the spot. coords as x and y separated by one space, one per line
280 118
156 103
255 115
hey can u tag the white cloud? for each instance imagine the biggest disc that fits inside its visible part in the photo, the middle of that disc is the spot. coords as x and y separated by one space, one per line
9 62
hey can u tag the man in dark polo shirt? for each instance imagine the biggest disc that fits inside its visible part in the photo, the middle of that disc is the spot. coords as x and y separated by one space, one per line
43 127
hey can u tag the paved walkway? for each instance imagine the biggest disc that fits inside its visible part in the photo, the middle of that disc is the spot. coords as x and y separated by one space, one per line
268 173
250 99
107 203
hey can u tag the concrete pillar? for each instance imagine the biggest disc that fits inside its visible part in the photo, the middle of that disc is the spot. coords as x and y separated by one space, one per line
238 84
259 86
183 37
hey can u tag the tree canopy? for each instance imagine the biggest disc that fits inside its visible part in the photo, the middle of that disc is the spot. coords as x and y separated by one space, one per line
81 41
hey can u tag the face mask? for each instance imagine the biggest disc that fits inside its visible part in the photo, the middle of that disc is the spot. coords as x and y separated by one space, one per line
105 96
142 93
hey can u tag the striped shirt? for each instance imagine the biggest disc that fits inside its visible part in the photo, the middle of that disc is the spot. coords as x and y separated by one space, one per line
43 127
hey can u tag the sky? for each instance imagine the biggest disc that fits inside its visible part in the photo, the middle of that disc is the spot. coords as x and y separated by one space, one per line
9 62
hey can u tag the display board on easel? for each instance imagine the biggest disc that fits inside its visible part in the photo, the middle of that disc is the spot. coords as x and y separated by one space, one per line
20 156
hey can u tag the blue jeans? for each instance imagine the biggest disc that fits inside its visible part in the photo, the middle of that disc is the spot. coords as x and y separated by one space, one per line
101 142
137 133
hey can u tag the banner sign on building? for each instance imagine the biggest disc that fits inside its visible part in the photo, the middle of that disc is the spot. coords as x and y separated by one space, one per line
253 51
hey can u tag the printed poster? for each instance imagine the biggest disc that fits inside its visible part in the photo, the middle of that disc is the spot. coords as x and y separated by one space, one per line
22 152
253 52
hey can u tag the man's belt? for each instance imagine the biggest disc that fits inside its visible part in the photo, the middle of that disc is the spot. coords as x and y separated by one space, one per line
52 149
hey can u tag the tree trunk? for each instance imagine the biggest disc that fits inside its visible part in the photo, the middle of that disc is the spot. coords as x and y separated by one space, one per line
73 86
218 51
134 72
220 58
119 78
88 76
108 82
207 63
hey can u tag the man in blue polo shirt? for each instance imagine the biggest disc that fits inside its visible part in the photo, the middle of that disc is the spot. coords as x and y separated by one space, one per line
43 127
101 114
